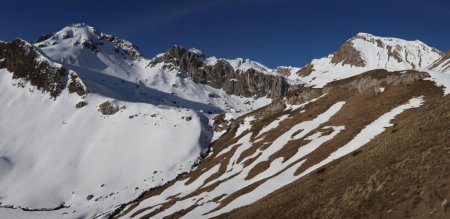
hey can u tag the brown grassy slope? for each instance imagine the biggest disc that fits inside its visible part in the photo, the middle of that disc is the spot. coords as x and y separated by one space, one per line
402 173
363 105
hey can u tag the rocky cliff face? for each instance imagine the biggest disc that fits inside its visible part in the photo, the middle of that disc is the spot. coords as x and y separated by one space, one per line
377 80
348 55
222 75
22 59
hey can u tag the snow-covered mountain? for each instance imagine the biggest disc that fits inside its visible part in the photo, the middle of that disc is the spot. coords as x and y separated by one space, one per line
104 62
91 127
66 143
365 52
95 124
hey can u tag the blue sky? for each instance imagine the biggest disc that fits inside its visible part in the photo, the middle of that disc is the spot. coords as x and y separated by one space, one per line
273 32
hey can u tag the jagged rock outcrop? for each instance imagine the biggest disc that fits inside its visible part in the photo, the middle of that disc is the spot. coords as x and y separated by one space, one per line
305 71
22 59
222 75
44 37
129 48
348 55
81 104
76 86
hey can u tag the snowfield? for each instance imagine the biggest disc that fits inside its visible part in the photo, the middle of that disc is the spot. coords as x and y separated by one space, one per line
53 154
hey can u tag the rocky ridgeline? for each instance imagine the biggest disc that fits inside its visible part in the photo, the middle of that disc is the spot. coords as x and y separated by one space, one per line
221 75
25 62
21 58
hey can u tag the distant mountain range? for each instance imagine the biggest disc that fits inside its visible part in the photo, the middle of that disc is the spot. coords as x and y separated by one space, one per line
91 128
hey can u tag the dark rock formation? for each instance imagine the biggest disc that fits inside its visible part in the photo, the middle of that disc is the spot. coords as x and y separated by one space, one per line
348 55
107 108
81 104
2 54
393 53
75 85
90 45
21 58
220 123
305 71
222 75
44 37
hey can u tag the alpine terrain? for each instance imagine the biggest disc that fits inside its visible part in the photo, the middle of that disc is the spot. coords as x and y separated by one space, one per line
92 128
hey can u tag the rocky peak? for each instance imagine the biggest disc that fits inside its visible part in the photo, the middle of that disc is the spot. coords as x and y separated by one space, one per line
186 60
372 52
394 52
196 51
178 52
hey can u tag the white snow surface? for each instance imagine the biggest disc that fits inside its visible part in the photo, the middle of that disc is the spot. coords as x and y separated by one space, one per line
440 79
52 153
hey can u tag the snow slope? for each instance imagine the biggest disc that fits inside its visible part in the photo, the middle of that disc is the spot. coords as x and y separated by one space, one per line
59 155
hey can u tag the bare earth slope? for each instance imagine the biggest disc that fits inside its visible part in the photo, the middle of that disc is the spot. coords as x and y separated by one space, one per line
402 173
381 123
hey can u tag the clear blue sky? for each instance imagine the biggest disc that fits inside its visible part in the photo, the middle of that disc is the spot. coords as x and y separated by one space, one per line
273 32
